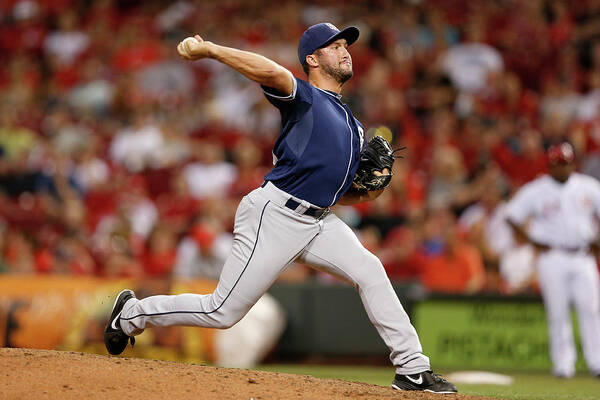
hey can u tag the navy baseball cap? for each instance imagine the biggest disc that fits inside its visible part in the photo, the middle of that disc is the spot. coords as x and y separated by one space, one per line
320 35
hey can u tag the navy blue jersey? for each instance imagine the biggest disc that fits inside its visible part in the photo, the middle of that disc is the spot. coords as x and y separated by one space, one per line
318 150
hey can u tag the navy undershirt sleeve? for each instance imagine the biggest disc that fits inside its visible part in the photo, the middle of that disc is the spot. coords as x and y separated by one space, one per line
301 93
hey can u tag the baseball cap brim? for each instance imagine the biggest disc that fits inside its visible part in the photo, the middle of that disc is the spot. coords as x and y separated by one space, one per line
321 35
351 34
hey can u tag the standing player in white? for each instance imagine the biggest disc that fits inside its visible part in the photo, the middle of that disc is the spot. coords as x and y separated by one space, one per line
558 214
316 157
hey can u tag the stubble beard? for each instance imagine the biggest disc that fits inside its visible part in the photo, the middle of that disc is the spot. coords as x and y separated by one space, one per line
339 74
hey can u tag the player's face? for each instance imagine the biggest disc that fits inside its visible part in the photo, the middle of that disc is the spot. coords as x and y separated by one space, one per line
335 60
561 171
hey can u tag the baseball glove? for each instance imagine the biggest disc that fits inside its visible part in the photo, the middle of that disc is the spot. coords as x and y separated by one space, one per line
376 156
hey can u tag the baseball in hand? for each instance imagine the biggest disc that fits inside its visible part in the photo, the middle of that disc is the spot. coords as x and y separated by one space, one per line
184 47
190 40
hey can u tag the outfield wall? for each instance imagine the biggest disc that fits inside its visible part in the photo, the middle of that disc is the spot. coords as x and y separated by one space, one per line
484 332
65 313
456 332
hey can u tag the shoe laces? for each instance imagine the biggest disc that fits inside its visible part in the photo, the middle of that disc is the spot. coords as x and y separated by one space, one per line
437 377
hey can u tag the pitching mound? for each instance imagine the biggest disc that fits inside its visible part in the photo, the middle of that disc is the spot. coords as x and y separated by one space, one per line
43 374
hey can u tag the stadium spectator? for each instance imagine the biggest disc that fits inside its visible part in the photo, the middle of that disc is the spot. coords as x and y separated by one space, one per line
448 187
67 43
509 264
95 92
401 256
521 156
471 64
138 146
460 86
18 253
452 265
247 158
159 255
202 252
211 175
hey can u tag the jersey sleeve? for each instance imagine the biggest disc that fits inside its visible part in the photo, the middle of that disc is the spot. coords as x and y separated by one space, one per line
300 93
521 206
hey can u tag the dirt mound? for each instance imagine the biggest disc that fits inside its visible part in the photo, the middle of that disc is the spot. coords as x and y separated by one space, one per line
43 374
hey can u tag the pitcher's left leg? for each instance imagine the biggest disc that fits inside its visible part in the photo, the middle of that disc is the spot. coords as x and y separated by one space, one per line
337 250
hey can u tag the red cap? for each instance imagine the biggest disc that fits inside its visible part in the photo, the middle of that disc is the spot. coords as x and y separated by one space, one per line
561 153
204 235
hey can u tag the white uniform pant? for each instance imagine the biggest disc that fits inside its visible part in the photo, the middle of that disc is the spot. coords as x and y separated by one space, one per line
571 279
268 237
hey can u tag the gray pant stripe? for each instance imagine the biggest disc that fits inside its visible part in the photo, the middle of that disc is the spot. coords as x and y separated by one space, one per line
228 294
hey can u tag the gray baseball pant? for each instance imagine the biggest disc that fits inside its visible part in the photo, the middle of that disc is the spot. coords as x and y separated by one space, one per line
268 237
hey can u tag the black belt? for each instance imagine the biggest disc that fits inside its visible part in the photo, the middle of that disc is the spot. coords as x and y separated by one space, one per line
567 249
311 211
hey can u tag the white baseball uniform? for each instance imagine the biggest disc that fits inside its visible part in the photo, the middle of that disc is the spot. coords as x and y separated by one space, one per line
564 216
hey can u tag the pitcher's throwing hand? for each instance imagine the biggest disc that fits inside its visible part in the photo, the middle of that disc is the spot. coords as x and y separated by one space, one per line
193 48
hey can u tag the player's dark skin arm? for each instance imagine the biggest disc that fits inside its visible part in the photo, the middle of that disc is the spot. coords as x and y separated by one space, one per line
523 236
595 248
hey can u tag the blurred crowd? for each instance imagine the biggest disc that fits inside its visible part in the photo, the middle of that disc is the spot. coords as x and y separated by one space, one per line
119 159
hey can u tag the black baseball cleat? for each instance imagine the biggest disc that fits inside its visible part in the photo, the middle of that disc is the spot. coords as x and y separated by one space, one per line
425 381
115 339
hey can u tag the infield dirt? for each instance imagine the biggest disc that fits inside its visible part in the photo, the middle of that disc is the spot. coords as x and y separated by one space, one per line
45 374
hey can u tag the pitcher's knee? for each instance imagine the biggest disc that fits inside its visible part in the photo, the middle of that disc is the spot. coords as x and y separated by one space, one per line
226 319
372 272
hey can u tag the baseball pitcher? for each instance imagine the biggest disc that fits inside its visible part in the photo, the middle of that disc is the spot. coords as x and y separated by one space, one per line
320 159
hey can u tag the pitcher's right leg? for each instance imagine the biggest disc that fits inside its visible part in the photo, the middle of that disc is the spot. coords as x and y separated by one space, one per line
337 250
